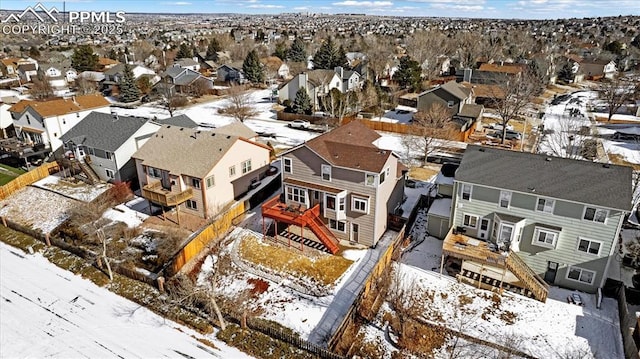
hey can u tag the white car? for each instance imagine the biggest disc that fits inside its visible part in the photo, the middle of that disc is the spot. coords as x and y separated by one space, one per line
299 124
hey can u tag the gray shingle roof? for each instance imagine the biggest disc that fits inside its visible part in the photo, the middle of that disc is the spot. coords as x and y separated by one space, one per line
580 181
184 151
104 131
236 129
180 120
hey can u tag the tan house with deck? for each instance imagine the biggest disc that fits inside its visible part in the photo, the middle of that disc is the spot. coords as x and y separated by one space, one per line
341 186
199 172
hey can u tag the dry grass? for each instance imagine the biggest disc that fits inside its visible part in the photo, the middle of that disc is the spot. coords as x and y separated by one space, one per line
423 173
615 121
325 269
620 160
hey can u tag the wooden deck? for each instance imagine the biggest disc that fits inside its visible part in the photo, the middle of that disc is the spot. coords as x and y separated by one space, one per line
156 194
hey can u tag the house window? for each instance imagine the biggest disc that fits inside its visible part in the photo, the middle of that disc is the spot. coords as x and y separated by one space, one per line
589 246
383 176
470 221
341 203
297 194
545 205
360 205
337 225
287 165
326 172
109 173
449 104
545 238
370 180
466 191
90 149
108 154
595 214
505 199
232 171
154 172
195 183
191 204
581 275
211 181
331 202
246 166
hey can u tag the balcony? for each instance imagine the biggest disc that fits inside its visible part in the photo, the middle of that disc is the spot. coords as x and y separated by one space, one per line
156 194
468 248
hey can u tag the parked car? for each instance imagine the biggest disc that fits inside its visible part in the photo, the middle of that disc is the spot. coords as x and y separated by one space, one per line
575 298
299 124
509 135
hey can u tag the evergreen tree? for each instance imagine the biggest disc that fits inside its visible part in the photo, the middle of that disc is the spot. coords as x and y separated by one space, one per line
212 50
129 91
83 59
34 52
324 58
184 52
112 54
297 52
566 73
253 68
340 58
408 74
280 51
302 102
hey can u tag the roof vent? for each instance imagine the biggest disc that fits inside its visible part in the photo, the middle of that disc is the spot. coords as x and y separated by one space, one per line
220 149
168 126
228 136
181 128
606 165
197 131
532 189
548 159
481 149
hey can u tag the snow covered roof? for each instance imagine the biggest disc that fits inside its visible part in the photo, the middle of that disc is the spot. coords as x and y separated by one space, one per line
441 207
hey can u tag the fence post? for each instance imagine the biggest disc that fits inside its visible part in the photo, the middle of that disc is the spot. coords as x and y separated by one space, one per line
46 238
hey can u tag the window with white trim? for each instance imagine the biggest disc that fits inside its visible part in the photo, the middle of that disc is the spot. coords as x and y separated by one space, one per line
545 238
360 205
595 214
331 202
383 176
232 171
109 173
195 183
466 191
341 203
581 275
246 166
296 194
545 205
211 181
470 220
505 199
589 246
326 172
191 204
337 225
287 165
370 180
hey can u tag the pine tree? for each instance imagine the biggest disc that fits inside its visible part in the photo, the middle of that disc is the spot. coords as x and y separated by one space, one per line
129 91
566 73
302 102
324 58
297 52
408 73
83 59
253 68
212 50
340 58
280 51
184 52
34 52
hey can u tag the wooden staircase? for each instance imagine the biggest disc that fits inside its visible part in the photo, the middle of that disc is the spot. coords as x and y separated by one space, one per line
528 277
89 172
322 232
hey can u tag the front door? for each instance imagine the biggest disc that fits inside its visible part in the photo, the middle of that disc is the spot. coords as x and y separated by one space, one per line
355 232
81 152
484 228
550 274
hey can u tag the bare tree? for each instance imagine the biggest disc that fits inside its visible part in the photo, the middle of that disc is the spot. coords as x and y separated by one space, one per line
616 92
85 86
338 104
241 105
379 55
41 89
428 48
102 238
182 289
431 127
511 95
469 47
568 136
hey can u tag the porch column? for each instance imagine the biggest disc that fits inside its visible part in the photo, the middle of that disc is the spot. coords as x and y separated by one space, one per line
301 238
480 278
263 229
441 264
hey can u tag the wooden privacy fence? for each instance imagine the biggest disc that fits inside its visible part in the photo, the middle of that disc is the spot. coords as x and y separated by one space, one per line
28 178
218 226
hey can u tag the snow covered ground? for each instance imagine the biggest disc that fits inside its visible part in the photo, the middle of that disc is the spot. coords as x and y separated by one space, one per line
37 208
122 213
49 312
80 190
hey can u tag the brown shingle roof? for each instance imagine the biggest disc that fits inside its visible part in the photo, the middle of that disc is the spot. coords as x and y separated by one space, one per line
507 69
319 77
59 106
486 91
351 146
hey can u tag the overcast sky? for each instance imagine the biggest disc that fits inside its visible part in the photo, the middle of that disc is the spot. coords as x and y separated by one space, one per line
504 9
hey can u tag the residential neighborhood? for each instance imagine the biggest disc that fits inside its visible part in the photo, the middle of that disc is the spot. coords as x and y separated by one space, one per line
333 182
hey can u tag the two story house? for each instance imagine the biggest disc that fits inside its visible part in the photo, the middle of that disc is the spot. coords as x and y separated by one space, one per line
318 83
199 172
524 220
109 156
341 186
44 122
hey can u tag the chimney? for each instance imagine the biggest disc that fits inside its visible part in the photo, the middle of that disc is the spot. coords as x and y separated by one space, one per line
466 77
340 71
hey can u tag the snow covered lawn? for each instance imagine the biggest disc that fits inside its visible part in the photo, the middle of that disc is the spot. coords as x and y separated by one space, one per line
49 312
77 190
122 213
554 329
37 208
